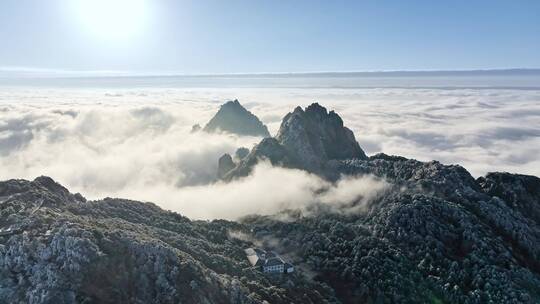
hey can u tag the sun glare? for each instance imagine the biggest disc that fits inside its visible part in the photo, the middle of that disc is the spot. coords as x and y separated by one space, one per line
112 19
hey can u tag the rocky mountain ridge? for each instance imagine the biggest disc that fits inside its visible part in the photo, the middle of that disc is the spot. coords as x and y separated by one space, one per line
434 235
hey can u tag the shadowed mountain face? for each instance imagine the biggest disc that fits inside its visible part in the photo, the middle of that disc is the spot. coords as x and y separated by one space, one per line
232 117
311 140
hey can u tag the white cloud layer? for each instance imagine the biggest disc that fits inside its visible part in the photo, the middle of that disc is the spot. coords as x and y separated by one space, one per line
137 143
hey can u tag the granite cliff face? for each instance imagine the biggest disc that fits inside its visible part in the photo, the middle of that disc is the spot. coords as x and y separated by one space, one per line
311 139
232 117
316 136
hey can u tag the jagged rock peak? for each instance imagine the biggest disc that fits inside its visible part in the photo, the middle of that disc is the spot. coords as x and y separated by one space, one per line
312 139
317 136
50 184
232 117
316 108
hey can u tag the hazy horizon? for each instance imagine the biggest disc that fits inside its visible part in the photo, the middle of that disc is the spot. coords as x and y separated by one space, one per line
18 71
524 79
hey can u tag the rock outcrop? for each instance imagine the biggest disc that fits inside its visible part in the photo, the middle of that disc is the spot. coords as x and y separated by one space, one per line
312 140
232 117
225 164
315 136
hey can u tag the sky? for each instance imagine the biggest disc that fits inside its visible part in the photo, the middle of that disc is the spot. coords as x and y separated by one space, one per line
240 36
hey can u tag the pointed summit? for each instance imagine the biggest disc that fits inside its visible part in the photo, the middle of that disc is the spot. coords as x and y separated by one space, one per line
311 139
232 117
316 136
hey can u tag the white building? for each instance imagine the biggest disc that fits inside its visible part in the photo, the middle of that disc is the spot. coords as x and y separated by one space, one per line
269 262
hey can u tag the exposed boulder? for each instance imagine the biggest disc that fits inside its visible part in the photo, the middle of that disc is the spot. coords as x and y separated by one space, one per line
232 117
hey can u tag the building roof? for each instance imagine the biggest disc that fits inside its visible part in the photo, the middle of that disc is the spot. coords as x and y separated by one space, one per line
271 254
274 261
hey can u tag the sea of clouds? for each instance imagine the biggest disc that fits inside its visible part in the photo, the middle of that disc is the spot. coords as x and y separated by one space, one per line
137 143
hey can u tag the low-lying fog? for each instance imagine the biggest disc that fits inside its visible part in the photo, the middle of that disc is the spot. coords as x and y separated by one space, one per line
137 143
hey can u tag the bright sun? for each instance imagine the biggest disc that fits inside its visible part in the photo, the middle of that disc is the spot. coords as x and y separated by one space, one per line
112 19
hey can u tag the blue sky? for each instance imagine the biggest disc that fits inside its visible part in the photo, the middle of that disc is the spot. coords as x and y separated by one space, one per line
170 36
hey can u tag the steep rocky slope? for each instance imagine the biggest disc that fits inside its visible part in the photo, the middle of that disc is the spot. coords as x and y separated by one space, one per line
232 117
56 247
